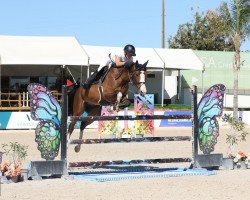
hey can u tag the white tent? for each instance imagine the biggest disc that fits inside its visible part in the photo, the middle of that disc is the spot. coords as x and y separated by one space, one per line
180 59
31 50
45 52
97 53
159 60
32 55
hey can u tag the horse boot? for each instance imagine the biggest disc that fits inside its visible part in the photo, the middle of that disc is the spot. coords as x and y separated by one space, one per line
90 80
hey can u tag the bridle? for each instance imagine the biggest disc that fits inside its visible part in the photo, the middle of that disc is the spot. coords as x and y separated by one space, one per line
132 74
132 78
142 75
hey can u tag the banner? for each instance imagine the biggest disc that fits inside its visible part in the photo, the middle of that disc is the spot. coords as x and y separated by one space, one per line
176 122
16 120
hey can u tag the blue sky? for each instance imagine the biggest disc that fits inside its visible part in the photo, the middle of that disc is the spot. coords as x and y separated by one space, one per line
100 22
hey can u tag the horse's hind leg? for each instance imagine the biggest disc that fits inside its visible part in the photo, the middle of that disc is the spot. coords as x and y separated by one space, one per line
78 108
83 126
71 127
92 111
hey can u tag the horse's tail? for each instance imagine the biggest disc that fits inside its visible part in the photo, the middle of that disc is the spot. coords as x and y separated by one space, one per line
71 95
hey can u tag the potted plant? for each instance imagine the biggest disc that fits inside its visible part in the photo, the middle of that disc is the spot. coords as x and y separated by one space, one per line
237 133
16 153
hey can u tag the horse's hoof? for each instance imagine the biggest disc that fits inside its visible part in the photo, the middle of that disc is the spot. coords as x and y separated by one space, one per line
77 148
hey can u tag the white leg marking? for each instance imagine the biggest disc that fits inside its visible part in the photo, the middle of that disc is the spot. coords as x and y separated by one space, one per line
143 88
119 96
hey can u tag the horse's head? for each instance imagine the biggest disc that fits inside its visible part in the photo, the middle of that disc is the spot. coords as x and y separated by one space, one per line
137 73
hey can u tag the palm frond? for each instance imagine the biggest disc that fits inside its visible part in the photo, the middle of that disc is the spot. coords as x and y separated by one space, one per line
245 32
243 16
226 16
236 16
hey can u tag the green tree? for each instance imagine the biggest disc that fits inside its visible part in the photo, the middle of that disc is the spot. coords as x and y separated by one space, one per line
206 32
237 25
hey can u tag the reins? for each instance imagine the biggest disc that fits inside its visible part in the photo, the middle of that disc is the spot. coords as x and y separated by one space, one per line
119 75
129 75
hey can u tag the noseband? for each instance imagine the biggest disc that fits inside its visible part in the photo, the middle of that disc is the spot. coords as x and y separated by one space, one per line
132 77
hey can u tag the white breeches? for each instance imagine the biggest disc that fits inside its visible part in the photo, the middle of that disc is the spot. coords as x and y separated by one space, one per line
105 62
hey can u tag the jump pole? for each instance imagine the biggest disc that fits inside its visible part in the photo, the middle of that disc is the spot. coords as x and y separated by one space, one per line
59 167
197 161
138 117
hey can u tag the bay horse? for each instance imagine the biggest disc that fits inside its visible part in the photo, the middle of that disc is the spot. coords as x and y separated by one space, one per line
110 91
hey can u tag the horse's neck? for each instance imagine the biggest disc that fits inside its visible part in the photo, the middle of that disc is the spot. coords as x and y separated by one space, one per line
117 77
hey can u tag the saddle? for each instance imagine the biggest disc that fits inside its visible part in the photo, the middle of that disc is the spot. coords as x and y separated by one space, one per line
101 76
99 80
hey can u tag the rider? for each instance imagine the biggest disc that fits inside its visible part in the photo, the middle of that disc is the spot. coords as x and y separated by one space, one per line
119 60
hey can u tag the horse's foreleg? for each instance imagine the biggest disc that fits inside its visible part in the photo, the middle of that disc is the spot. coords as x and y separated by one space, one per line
118 100
126 103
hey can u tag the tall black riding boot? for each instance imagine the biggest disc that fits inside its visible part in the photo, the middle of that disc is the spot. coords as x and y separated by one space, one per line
90 80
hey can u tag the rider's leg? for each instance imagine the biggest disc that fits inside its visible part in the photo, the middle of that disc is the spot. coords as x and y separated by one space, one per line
90 80
97 74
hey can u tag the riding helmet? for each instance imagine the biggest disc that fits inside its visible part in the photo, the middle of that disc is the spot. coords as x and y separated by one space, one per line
130 49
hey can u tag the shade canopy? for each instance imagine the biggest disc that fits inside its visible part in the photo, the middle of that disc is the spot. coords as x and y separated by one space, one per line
180 59
97 53
34 50
158 58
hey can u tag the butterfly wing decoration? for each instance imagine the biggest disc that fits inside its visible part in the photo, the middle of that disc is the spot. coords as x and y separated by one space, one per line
45 109
210 107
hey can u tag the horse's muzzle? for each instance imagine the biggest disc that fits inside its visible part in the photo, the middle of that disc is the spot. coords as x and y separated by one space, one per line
143 89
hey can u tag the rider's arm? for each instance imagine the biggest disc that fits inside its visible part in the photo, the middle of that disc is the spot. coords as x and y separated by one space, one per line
118 61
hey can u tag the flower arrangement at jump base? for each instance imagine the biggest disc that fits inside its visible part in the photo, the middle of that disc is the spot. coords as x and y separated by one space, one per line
11 169
237 133
16 154
127 132
241 159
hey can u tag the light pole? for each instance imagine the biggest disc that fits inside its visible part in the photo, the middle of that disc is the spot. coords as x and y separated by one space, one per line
163 46
163 26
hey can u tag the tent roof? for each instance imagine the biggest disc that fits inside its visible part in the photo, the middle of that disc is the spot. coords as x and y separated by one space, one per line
36 50
97 53
173 58
180 59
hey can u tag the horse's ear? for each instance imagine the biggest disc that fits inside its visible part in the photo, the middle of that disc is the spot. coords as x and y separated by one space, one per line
145 64
136 63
